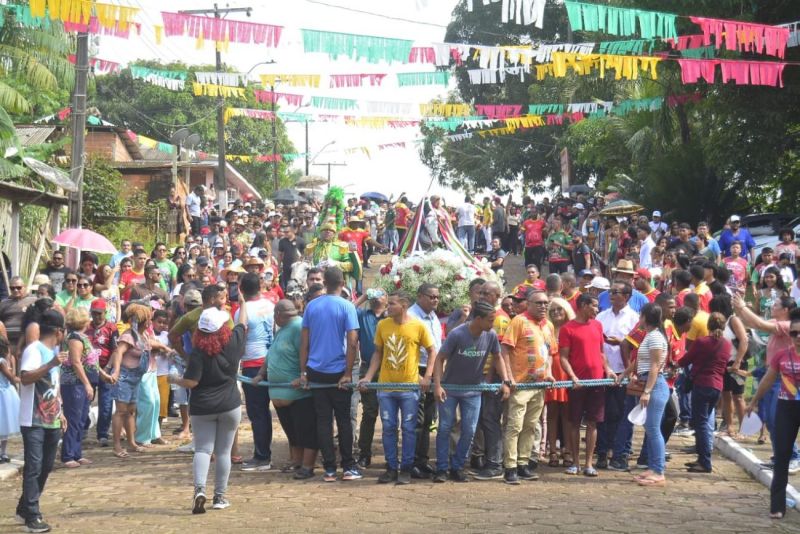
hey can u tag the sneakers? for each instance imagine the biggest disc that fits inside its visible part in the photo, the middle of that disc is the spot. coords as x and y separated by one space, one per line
423 471
794 466
489 473
189 447
440 476
526 473
103 442
618 464
602 461
255 464
37 525
510 477
303 473
352 474
477 462
403 478
683 430
390 475
364 462
220 502
768 465
329 476
199 501
458 475
19 519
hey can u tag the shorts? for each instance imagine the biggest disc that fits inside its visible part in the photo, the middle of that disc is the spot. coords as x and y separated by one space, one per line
587 404
180 396
127 387
299 422
730 384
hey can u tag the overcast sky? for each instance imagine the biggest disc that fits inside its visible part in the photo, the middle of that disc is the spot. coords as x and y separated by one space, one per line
390 171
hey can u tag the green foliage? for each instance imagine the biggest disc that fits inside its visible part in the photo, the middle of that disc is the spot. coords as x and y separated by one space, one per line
695 160
157 112
102 193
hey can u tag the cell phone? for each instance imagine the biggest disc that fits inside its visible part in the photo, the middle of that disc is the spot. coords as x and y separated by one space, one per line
233 291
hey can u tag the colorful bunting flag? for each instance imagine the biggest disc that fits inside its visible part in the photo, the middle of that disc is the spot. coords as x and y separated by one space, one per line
203 89
169 79
326 102
521 11
744 36
355 80
373 49
620 21
219 29
295 80
441 77
231 79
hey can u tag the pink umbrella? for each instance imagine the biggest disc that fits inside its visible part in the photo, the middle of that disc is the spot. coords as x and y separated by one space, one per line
84 239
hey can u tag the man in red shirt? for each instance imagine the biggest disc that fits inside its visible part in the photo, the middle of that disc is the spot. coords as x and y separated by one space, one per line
103 335
681 280
580 343
401 218
641 281
534 231
355 235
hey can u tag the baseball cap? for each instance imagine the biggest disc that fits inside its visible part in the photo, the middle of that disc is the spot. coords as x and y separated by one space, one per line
642 273
192 298
586 272
202 260
212 320
522 293
579 206
735 218
98 305
656 213
599 282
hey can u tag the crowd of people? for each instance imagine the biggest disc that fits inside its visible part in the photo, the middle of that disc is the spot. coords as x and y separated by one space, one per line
116 348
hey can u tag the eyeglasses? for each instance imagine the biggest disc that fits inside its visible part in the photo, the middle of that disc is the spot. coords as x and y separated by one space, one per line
15 288
794 333
432 297
162 249
84 285
70 280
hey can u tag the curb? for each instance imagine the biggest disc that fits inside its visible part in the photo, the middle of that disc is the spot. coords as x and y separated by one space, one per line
748 461
10 470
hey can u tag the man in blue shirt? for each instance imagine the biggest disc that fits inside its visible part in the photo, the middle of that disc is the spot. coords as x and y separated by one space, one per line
367 323
623 272
735 233
328 346
424 309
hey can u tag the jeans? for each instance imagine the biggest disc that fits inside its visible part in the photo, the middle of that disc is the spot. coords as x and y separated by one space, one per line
426 415
704 400
256 399
652 425
40 448
470 409
330 403
684 401
466 234
491 415
770 400
615 412
391 239
622 440
369 414
667 426
406 402
522 430
105 405
535 255
214 433
787 422
75 406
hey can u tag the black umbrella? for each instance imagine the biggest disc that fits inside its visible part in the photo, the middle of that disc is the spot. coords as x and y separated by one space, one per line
287 195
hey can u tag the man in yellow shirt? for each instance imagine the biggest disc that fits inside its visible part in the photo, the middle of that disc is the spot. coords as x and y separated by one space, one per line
699 326
398 339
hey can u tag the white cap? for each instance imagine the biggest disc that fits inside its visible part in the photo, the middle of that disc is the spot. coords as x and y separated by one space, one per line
599 282
656 213
212 320
735 218
579 206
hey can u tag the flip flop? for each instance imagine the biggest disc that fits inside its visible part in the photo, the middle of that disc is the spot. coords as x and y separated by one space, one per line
72 464
776 515
590 472
121 454
138 448
571 470
236 460
158 441
652 482
85 461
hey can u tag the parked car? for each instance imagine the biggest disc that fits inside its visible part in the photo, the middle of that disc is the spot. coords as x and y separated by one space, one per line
772 238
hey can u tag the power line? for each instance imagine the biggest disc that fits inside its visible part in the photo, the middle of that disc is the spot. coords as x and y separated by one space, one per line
381 15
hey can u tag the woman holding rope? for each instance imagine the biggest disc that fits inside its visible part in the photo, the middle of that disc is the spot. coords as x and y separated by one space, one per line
215 405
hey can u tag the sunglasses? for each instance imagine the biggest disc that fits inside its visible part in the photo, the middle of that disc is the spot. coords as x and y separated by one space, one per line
84 285
16 288
794 333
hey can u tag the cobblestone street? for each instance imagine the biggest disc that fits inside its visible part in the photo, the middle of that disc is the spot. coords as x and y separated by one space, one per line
151 492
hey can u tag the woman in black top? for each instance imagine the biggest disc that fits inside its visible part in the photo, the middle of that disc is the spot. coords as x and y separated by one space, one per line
215 405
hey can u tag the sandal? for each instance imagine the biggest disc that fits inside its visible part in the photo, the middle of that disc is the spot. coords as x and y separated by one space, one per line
553 460
137 448
761 441
290 468
567 457
652 481
589 472
121 454
571 470
84 461
776 515
158 441
236 460
71 464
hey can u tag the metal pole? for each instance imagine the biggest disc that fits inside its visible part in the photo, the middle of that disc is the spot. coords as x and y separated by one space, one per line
79 128
307 156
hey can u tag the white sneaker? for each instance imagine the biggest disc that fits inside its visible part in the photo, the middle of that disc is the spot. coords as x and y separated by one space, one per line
189 447
794 467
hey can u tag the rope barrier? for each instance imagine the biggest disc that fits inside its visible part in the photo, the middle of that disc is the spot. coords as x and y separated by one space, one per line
565 384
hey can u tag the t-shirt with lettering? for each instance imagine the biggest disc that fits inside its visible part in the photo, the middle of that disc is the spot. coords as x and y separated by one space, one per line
532 345
466 356
585 344
557 243
399 346
738 268
787 363
534 232
40 402
328 319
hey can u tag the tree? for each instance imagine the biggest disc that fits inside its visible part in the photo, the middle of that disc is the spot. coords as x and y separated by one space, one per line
696 159
157 112
102 193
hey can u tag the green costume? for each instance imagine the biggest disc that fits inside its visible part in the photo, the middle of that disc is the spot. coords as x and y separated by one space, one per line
337 252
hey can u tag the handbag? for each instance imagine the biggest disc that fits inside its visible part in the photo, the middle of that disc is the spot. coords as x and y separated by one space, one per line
635 387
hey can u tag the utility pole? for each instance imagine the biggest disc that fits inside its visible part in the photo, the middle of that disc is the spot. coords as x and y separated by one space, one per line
221 182
79 128
274 142
329 165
